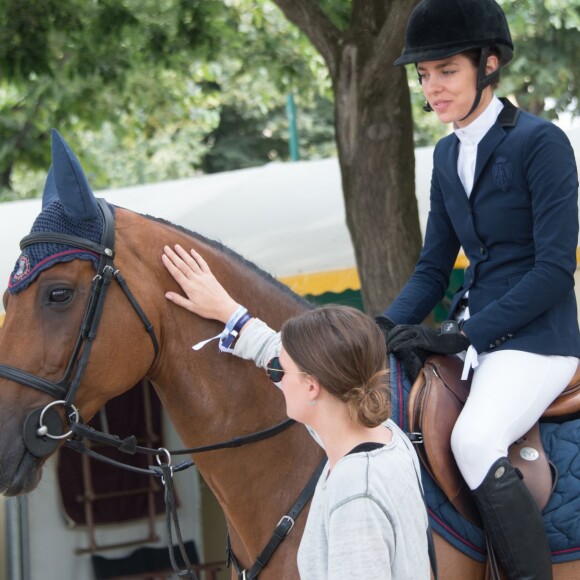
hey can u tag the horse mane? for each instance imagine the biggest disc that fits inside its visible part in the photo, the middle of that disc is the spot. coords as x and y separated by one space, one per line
233 254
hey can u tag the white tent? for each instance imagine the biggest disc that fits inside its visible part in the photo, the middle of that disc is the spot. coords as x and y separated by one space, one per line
288 218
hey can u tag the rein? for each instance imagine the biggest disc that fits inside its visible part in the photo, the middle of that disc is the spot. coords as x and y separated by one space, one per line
166 469
129 444
43 430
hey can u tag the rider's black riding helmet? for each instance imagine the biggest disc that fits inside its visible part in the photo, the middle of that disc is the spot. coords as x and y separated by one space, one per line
439 29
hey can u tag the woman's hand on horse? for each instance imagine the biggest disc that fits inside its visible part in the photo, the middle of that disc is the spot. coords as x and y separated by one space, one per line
204 295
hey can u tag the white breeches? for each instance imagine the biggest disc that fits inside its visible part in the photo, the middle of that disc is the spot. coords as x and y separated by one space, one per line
509 392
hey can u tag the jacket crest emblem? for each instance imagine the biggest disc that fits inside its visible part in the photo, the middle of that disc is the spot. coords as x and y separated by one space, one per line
502 173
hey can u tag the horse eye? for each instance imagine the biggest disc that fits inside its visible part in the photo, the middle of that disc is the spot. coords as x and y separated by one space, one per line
60 295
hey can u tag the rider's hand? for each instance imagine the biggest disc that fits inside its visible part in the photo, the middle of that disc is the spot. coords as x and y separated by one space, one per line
447 340
204 295
385 324
411 359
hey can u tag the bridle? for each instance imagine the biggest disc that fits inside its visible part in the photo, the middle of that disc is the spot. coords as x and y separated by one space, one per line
38 439
43 429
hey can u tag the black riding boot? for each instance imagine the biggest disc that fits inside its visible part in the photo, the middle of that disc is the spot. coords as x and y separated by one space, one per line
514 524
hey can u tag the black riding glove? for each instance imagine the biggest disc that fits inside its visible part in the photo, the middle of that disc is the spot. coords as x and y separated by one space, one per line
411 360
385 324
447 340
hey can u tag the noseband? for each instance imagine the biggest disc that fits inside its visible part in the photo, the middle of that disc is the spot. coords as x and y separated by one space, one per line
39 441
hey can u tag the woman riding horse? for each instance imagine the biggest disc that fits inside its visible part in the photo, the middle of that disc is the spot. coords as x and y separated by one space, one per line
504 187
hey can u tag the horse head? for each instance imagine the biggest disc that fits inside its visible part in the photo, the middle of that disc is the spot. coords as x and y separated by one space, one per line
49 324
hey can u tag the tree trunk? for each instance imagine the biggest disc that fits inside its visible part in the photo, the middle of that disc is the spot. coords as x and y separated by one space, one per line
374 133
375 142
6 178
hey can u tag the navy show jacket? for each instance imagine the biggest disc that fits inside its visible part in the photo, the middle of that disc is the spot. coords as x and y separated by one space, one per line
519 231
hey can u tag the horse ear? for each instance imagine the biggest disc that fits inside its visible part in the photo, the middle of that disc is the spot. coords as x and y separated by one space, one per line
72 187
49 194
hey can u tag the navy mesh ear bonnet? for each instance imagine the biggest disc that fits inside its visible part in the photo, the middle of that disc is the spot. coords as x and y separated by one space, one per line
38 257
69 207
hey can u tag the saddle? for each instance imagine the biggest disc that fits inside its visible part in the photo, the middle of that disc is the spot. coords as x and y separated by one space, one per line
435 401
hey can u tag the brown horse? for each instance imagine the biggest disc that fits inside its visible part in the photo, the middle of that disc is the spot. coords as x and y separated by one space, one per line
209 396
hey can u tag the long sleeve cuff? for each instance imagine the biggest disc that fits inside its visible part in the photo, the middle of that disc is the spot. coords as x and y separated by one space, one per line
258 342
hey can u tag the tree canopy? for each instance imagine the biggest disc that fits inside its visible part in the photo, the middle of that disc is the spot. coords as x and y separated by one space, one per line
149 90
545 73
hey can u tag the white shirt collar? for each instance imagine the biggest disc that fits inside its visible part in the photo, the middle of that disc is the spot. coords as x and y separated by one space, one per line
473 133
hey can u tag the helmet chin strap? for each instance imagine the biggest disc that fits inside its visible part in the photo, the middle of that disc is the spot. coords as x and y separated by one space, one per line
483 80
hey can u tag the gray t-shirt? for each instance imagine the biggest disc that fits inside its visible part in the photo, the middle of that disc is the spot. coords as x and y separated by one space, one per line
367 520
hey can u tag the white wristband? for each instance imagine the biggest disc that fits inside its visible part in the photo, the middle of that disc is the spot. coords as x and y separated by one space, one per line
228 334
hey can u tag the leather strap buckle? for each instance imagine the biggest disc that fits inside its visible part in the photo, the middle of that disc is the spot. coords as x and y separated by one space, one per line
291 523
416 437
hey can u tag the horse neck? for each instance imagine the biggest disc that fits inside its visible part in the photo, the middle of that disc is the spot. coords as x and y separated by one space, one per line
212 396
219 385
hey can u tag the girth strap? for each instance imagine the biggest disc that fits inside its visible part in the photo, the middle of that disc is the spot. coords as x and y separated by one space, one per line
283 528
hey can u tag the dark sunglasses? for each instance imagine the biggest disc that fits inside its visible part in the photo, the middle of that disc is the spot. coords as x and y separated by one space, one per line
275 371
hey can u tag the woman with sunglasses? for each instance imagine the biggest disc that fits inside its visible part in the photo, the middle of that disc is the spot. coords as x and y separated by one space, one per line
504 188
367 518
